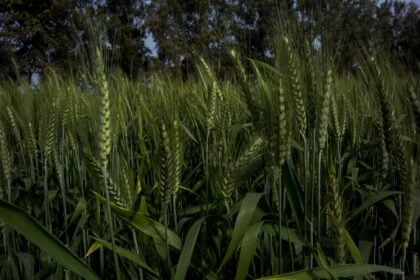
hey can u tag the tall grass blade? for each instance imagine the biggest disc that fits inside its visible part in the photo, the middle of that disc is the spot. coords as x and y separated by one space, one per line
248 207
248 246
187 250
345 270
131 256
37 234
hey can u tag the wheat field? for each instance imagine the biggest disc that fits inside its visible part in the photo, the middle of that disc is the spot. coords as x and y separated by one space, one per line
286 171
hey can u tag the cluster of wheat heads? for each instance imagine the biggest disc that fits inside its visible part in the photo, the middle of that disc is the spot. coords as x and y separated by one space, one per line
290 169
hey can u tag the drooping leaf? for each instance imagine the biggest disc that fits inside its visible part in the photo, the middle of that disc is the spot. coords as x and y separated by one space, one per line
371 201
95 246
354 251
346 270
248 246
322 259
81 205
47 271
129 255
37 234
248 206
145 225
28 262
187 250
294 194
288 235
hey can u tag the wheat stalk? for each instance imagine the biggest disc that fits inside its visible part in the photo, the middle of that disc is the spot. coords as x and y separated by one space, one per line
105 143
322 138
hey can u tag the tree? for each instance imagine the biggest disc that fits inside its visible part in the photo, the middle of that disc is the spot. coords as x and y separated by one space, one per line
126 34
40 34
6 62
344 27
178 27
252 27
407 30
37 32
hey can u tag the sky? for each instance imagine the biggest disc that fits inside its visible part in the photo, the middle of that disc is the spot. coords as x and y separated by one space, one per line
151 44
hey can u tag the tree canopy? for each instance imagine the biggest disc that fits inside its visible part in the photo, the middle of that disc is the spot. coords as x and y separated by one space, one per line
35 35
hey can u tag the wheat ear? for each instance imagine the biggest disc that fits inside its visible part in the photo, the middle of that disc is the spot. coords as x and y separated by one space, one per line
337 203
6 164
299 107
105 144
322 138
